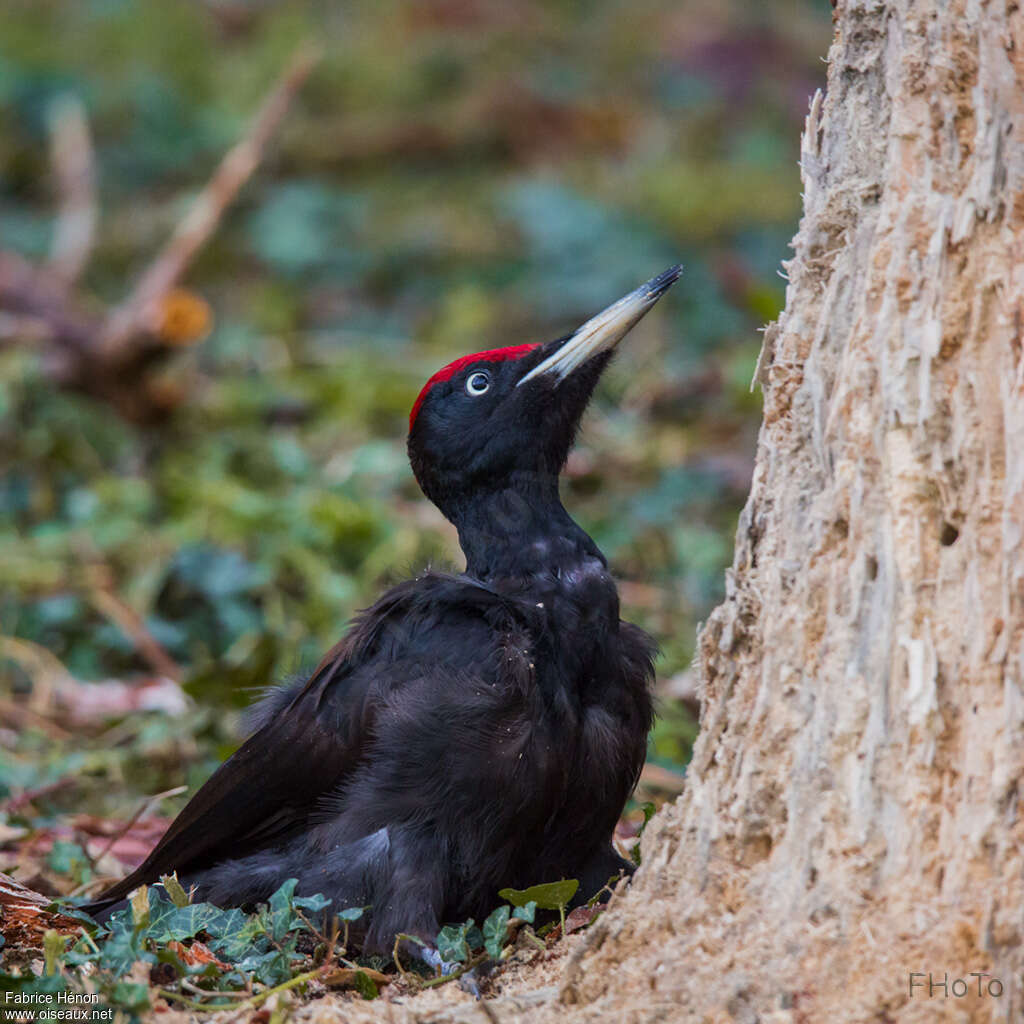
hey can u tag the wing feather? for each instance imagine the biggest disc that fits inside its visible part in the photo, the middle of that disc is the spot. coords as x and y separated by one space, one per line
309 739
264 791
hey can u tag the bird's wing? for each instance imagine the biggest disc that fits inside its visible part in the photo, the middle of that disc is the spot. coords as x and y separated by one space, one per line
265 789
311 736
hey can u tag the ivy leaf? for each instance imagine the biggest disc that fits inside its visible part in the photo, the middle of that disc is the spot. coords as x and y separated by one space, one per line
155 915
495 931
229 923
548 896
185 922
62 906
122 949
451 941
235 941
527 912
350 913
281 909
315 903
271 967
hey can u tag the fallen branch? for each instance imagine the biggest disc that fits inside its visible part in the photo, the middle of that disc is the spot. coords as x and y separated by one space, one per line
134 627
112 353
23 917
33 295
74 168
140 311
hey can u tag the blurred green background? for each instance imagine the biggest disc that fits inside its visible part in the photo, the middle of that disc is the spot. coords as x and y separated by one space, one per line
455 175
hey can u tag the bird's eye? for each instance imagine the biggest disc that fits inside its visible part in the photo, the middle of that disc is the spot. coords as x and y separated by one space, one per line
477 383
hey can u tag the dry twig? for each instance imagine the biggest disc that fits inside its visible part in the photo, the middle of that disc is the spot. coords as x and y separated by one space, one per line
73 165
140 310
139 811
134 627
111 354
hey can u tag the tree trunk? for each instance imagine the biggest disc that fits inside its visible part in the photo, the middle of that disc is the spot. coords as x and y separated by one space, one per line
852 822
850 846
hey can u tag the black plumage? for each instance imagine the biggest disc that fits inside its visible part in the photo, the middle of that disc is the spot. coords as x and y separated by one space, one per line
470 731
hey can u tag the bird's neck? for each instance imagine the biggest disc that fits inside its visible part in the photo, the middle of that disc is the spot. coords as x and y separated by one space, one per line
519 531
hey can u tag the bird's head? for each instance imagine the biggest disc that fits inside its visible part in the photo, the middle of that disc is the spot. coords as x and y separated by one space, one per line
508 416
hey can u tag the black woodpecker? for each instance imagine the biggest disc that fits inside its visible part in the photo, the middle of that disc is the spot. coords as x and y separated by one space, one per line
470 731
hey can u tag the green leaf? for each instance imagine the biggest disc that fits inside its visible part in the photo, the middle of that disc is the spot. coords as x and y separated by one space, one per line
167 956
69 859
174 889
315 903
130 995
451 941
53 947
365 985
48 983
548 896
495 931
236 942
281 909
271 967
306 226
350 913
62 906
649 810
122 949
82 952
140 907
229 923
185 922
156 914
527 912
